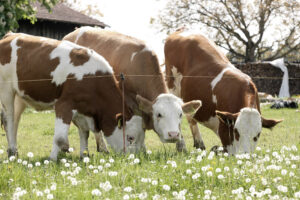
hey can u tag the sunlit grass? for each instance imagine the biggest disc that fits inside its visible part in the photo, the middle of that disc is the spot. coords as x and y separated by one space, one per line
272 172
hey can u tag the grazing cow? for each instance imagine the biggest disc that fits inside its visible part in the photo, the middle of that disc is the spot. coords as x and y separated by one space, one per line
145 89
76 81
196 69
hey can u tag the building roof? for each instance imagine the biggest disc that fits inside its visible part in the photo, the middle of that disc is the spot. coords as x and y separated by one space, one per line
63 13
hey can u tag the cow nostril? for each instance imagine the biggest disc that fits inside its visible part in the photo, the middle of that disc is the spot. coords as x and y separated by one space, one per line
173 134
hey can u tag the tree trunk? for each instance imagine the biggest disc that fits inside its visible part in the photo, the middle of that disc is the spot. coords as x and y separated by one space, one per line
250 52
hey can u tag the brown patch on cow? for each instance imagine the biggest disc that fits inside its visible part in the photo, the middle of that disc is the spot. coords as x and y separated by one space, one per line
236 134
79 56
5 51
34 67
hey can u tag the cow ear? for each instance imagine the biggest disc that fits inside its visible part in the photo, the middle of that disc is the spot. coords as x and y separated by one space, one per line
191 107
119 119
227 117
144 104
269 123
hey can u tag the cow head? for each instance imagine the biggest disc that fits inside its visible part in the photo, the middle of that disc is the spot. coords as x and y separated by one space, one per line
246 126
166 112
134 135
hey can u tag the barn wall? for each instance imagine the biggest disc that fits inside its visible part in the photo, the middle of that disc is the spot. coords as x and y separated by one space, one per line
51 29
269 78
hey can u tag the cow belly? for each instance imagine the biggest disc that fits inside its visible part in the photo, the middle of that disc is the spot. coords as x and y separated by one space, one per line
212 123
37 105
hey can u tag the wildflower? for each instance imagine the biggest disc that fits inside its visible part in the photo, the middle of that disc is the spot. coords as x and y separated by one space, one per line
100 168
126 197
1 151
111 160
226 169
283 172
53 187
264 181
24 162
128 189
30 155
105 186
188 162
107 165
293 166
50 196
96 192
136 161
282 188
258 148
143 195
239 162
112 173
102 160
131 156
39 193
291 174
149 152
63 173
34 182
166 187
74 164
297 194
46 162
226 154
63 160
71 149
74 182
218 170
30 165
207 192
47 191
221 176
86 159
154 182
37 164
12 158
95 171
248 198
248 180
188 171
19 160
209 173
91 167
196 176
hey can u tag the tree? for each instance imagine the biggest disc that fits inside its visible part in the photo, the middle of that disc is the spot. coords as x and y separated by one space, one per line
249 30
13 10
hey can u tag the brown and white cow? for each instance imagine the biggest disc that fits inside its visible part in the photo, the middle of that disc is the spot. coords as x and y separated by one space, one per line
196 69
76 81
145 89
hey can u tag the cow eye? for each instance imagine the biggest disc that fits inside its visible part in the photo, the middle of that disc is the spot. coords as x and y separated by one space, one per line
159 115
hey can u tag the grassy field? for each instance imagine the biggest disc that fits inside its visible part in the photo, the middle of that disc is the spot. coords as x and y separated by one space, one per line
272 172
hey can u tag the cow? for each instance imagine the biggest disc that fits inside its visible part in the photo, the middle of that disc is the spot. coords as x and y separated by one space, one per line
73 80
145 88
197 70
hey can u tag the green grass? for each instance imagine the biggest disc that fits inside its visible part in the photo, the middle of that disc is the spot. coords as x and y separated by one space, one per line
274 168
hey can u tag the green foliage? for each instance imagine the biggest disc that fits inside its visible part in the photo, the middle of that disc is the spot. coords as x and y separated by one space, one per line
13 10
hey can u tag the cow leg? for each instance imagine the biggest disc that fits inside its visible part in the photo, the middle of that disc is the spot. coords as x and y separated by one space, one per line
19 106
198 142
7 101
180 145
84 136
62 124
101 146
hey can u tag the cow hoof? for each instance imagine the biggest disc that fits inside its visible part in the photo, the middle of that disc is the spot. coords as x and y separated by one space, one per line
180 146
12 152
199 145
103 150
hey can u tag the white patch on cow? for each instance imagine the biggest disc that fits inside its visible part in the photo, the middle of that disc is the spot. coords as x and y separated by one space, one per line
218 78
132 56
166 116
82 30
176 90
214 99
249 126
133 129
65 68
212 123
60 137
